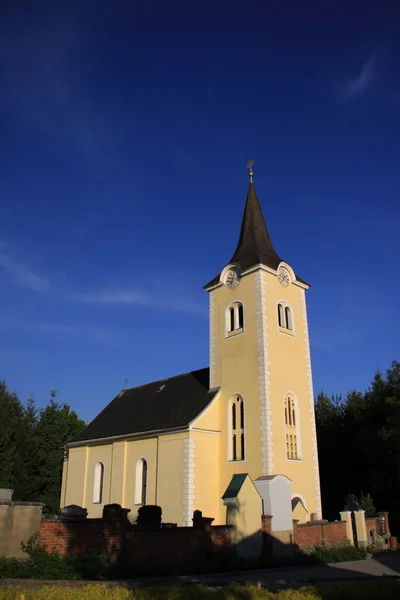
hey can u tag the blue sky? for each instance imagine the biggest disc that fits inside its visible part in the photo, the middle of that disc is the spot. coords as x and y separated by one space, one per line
125 129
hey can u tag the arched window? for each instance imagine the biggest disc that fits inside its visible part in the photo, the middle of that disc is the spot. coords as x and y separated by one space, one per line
285 320
141 481
237 429
292 431
234 319
98 483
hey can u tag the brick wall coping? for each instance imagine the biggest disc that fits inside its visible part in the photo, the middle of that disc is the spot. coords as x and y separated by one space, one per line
17 503
134 527
312 523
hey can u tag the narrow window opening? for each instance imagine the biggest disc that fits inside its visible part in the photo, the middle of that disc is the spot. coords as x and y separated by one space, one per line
240 314
144 481
237 429
232 319
242 445
242 415
280 315
288 318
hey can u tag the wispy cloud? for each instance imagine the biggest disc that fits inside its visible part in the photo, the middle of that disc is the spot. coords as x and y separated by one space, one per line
92 332
358 85
157 298
163 296
23 275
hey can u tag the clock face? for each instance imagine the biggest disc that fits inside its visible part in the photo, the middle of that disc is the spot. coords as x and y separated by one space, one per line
283 277
233 278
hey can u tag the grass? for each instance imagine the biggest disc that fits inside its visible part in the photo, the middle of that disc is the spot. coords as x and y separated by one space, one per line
384 590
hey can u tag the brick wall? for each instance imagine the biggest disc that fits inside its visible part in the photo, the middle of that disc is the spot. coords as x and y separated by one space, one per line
121 541
320 533
266 524
377 527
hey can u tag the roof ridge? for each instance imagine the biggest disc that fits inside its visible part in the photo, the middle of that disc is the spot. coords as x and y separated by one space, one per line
163 380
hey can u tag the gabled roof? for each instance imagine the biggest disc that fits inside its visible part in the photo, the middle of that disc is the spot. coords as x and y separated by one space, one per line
254 246
235 485
167 404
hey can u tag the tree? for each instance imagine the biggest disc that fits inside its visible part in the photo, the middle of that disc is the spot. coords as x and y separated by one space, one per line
12 415
56 425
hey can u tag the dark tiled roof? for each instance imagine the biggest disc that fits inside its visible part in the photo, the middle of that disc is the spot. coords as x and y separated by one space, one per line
235 485
161 405
254 246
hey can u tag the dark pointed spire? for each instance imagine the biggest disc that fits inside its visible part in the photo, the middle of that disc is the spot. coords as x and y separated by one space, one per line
254 246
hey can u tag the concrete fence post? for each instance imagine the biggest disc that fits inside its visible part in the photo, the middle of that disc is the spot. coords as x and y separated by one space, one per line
345 515
359 516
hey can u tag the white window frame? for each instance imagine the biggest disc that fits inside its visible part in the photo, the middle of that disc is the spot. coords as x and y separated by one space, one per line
237 329
283 308
98 483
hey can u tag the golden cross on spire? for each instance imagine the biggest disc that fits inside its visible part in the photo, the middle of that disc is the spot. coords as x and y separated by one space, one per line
250 167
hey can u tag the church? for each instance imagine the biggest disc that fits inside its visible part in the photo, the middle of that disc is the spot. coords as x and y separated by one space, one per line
182 443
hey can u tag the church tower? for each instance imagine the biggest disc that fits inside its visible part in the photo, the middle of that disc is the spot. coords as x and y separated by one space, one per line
260 361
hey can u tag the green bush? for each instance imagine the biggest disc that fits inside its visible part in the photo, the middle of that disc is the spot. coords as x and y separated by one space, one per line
386 590
346 553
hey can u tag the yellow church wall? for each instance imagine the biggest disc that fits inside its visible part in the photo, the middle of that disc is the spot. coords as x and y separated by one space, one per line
210 418
135 450
236 369
207 497
118 471
74 478
171 477
97 454
288 373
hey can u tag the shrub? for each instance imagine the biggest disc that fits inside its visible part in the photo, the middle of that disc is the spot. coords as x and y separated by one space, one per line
149 515
343 554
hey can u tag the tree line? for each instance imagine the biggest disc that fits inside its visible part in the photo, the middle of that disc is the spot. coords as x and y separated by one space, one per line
358 446
31 447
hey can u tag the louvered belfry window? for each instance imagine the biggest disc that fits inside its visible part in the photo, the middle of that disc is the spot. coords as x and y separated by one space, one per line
291 428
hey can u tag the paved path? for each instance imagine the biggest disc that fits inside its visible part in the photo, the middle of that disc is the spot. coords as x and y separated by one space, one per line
381 565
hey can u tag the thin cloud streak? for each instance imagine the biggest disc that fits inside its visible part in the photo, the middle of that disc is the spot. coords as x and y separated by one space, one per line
357 86
99 334
162 297
23 275
148 299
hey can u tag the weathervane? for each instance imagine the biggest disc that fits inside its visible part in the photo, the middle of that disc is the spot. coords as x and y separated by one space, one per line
126 383
250 167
